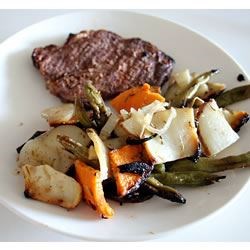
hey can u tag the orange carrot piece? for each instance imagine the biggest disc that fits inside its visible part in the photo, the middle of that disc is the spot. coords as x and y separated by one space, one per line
90 180
125 155
136 98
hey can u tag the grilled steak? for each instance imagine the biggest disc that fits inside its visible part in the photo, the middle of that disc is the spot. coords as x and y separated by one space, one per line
112 63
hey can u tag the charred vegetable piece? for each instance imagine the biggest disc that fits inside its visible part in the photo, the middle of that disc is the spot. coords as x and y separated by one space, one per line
164 191
236 119
36 134
126 182
136 167
91 182
233 95
134 141
140 195
45 184
71 172
141 168
75 148
191 178
211 165
136 98
101 111
82 115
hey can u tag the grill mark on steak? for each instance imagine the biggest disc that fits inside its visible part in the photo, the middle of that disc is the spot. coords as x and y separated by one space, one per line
112 63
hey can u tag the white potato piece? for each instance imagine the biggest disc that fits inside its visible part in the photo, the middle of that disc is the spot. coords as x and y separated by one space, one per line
63 114
115 143
120 131
101 152
45 184
179 141
45 149
215 133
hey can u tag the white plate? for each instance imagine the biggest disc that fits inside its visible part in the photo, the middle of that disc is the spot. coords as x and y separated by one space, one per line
23 96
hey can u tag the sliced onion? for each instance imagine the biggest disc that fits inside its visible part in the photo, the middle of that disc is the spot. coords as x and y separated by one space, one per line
135 125
109 126
140 119
154 107
101 152
161 121
92 154
124 113
179 141
196 102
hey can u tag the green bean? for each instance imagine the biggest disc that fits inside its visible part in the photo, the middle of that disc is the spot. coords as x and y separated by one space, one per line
159 168
196 83
192 178
210 164
82 115
101 111
233 95
164 191
181 99
75 148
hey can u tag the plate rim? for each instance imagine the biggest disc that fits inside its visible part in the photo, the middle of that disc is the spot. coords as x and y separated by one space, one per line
148 237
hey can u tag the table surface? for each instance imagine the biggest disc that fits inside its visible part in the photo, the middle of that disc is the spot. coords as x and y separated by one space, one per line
229 29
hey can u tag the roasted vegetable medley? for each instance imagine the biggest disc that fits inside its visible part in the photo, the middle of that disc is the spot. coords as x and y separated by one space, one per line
140 144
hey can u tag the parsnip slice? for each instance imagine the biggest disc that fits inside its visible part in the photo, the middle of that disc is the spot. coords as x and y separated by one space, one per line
179 141
215 132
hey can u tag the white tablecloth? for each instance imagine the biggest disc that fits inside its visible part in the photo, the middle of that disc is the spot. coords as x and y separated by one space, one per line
228 28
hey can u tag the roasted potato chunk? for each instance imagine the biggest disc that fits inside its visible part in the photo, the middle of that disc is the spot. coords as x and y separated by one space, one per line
46 149
45 184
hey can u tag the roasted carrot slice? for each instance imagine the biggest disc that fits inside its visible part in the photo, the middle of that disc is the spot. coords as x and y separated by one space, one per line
136 98
90 180
119 157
